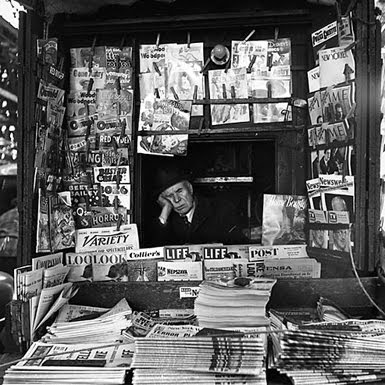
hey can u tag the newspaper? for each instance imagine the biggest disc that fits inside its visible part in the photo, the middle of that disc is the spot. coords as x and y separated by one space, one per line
227 85
54 275
173 331
180 271
47 261
32 282
71 312
283 219
107 239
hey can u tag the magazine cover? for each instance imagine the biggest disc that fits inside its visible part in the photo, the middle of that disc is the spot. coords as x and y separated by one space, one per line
43 239
242 53
49 92
317 135
279 52
107 239
336 65
318 238
110 102
119 66
184 71
218 269
180 271
340 240
114 196
110 175
283 219
269 112
81 126
47 50
315 108
227 85
113 124
346 31
313 79
325 37
337 102
108 156
80 57
62 225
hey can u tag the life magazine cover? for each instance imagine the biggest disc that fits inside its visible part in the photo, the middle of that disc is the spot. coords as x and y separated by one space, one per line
227 85
283 219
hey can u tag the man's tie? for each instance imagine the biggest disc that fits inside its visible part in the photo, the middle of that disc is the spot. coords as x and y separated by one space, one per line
185 221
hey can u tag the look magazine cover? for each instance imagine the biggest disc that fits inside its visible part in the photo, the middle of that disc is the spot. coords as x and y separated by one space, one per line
283 219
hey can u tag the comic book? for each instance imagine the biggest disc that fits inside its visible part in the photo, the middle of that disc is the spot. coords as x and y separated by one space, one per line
81 57
228 85
80 78
115 196
164 115
119 66
110 175
49 92
81 126
47 50
113 124
111 102
80 103
283 219
43 239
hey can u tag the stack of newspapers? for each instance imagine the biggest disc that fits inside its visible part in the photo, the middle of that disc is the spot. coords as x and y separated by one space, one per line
199 360
105 328
84 346
343 352
71 364
234 304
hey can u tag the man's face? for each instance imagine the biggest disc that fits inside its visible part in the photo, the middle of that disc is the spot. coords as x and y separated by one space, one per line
327 154
180 195
319 237
341 239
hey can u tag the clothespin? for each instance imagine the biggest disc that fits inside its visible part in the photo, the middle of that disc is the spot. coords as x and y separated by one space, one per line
156 93
248 36
92 54
188 40
118 85
351 45
224 93
200 128
227 66
118 108
87 108
116 203
195 94
269 90
122 42
119 222
252 61
157 40
276 33
117 62
206 64
156 68
61 64
232 90
122 123
176 97
338 11
90 85
97 141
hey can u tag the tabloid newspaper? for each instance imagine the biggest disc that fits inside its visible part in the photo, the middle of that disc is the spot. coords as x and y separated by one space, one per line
107 239
283 219
227 85
180 271
70 312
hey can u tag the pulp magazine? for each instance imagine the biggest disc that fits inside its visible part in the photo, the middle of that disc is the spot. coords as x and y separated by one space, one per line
283 219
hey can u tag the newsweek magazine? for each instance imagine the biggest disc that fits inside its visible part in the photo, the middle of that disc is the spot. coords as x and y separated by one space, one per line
80 57
164 115
80 78
283 219
340 240
242 53
119 66
269 112
81 103
107 239
227 85
325 37
336 65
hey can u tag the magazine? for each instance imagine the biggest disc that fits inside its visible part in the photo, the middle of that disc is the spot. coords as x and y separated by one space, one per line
218 269
337 102
110 102
107 239
336 65
47 50
227 85
180 271
283 219
325 37
80 265
80 103
315 108
119 66
242 53
318 238
119 174
269 112
313 79
279 52
277 251
80 78
43 239
340 240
